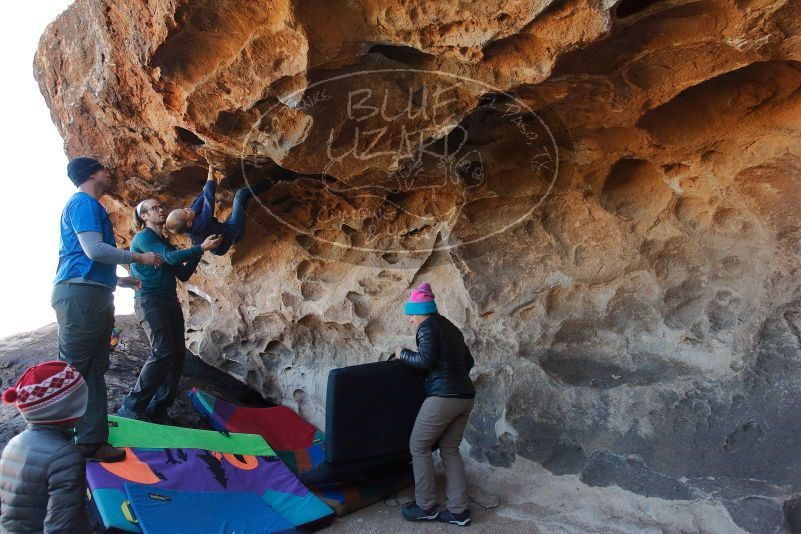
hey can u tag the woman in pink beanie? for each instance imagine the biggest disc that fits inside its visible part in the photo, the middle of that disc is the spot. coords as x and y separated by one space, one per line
450 395
42 472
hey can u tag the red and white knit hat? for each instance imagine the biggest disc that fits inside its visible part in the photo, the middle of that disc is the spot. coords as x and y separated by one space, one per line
49 393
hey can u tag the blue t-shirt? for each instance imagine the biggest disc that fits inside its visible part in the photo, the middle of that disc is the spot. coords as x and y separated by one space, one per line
83 213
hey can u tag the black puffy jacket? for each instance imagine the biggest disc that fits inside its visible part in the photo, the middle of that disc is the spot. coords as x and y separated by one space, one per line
442 352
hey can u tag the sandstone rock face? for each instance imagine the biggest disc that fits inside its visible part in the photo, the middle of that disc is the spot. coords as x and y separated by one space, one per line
604 196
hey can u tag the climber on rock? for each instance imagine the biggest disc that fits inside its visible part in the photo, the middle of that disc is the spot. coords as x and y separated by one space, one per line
159 312
442 352
199 222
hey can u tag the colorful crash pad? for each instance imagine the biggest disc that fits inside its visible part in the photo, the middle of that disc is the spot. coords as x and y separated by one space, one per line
162 511
124 432
280 427
199 470
301 447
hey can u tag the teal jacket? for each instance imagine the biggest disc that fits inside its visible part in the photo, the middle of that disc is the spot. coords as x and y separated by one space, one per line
160 281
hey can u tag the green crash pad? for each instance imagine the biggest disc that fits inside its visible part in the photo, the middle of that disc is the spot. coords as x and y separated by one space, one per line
124 432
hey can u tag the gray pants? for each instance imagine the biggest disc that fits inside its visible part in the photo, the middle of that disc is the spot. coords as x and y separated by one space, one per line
85 315
157 386
440 420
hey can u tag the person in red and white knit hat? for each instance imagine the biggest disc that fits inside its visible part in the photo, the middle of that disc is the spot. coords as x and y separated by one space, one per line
42 472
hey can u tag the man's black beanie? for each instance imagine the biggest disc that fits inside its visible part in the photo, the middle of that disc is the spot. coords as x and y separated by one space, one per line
80 169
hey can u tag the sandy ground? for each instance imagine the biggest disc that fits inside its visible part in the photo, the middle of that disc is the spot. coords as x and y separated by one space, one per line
531 501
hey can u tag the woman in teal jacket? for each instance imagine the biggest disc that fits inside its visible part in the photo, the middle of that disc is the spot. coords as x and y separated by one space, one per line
159 312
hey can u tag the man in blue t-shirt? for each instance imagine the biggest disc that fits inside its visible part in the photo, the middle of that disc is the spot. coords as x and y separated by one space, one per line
83 298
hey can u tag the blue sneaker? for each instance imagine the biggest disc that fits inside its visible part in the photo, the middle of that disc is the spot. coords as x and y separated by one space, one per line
412 512
462 519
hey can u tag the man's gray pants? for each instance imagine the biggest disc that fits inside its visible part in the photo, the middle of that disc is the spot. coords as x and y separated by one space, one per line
155 389
440 420
85 315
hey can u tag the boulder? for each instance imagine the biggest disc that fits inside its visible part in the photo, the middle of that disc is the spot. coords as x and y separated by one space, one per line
603 194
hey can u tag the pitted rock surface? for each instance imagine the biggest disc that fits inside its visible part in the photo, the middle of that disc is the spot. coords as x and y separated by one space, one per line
622 251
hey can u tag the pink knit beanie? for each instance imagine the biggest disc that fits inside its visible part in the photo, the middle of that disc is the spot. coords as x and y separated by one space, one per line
421 301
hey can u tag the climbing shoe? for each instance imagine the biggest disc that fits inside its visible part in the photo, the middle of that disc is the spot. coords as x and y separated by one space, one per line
462 519
130 414
159 419
412 512
101 452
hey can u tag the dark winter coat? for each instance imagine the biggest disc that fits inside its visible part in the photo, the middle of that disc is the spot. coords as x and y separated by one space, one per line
42 483
442 352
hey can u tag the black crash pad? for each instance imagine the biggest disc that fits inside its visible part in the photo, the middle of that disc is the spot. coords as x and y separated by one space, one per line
370 411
